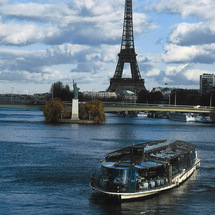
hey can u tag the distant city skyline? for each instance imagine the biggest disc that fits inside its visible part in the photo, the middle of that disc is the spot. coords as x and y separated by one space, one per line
45 41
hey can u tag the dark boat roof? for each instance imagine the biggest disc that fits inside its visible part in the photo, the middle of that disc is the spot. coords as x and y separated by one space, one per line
140 155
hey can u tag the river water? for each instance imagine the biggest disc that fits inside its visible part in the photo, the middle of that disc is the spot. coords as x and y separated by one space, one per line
46 169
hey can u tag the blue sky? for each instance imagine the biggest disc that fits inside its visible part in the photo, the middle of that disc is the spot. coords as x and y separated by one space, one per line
45 41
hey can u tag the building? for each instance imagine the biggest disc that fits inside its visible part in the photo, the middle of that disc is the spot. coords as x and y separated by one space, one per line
166 91
207 83
100 95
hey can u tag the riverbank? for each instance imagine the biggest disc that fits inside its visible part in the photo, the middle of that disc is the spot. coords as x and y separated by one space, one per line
76 121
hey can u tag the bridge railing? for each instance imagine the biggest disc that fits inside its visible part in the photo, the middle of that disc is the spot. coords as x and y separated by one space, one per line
157 105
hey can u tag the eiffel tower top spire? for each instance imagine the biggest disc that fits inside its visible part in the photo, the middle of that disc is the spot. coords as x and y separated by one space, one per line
127 55
128 34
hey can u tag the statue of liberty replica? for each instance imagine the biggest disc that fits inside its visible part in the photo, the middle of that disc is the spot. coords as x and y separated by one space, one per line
75 108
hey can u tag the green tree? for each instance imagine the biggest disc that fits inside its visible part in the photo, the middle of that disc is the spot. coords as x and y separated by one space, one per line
207 98
155 97
150 97
184 97
58 90
143 96
53 110
93 110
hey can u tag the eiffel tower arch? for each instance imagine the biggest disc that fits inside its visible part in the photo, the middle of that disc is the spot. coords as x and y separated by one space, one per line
127 55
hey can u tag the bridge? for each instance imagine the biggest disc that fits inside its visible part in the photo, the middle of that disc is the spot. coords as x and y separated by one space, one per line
120 106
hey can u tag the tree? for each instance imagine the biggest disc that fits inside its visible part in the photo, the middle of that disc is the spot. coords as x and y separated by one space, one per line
53 110
93 110
155 97
150 97
207 99
58 90
143 96
184 97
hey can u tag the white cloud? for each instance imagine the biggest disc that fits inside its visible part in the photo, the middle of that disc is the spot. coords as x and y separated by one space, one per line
95 7
142 24
39 66
194 74
80 22
3 2
45 75
89 67
24 34
83 22
66 53
189 42
189 54
203 9
187 34
153 72
36 12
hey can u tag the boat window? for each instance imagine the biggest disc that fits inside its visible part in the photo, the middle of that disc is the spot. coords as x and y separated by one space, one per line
146 174
182 162
120 176
105 171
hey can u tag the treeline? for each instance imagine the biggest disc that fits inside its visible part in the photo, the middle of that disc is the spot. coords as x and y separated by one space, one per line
191 97
59 90
150 97
178 96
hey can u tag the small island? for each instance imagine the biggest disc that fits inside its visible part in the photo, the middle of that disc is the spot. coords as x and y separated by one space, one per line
91 112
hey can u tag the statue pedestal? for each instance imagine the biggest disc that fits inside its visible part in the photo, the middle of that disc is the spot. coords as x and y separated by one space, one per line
75 110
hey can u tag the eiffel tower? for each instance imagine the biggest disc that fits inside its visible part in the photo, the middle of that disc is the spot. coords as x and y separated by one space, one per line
127 55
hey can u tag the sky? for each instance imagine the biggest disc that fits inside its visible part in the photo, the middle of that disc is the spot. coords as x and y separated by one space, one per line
46 41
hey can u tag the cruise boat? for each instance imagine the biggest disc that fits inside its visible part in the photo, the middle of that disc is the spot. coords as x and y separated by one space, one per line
198 118
142 114
145 169
189 117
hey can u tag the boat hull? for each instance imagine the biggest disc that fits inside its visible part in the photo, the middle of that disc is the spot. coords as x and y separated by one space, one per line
176 181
